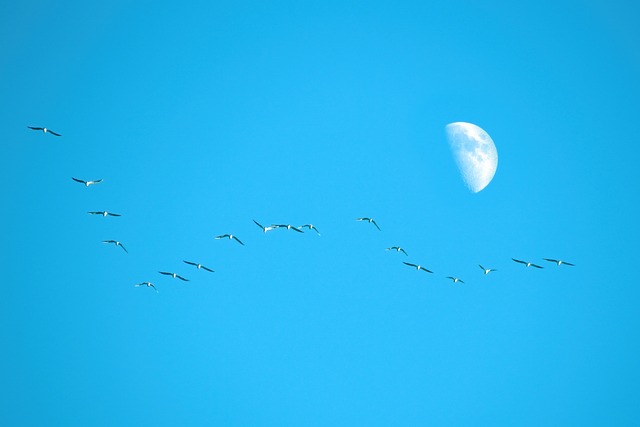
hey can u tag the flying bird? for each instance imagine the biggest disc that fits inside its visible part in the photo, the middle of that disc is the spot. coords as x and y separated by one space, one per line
115 242
86 183
559 262
397 249
371 220
103 213
310 227
455 279
417 267
45 130
288 227
147 284
174 275
229 236
265 229
527 263
487 270
198 266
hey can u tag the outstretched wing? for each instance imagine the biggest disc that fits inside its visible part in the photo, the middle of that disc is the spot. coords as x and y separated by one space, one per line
79 180
238 240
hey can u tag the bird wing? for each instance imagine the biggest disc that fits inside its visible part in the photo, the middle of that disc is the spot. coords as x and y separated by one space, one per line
550 260
409 264
53 133
238 240
35 128
404 252
165 273
190 263
182 278
424 269
258 224
108 241
536 266
122 246
112 214
78 180
568 263
208 269
297 229
521 262
374 223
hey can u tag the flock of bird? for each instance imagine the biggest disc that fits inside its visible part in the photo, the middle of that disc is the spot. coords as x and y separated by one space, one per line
271 227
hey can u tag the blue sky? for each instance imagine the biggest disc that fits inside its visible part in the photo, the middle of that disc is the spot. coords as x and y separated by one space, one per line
203 116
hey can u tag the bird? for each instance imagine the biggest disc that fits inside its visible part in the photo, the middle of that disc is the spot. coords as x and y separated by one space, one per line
397 249
417 267
198 266
174 275
527 263
288 227
265 229
559 262
45 130
86 183
371 220
103 213
147 284
455 279
310 227
229 236
116 243
486 270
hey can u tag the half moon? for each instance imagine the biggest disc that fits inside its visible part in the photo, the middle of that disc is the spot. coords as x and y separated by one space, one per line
474 152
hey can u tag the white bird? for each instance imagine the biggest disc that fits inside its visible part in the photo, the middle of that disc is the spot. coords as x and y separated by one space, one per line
559 262
86 183
265 229
45 130
103 213
417 267
288 227
174 275
198 266
229 236
370 220
147 284
397 249
527 263
455 279
487 270
115 242
310 227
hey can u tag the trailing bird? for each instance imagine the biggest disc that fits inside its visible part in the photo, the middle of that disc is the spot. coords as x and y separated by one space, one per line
103 213
115 242
86 183
417 267
288 227
487 270
198 266
174 275
265 229
45 130
147 284
559 262
455 279
397 249
370 220
527 263
310 227
229 236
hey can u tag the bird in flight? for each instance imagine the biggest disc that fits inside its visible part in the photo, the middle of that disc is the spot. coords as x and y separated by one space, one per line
103 213
417 267
397 249
265 229
174 275
147 284
229 236
86 183
487 270
455 279
45 130
288 227
371 220
527 263
115 242
310 227
198 266
559 262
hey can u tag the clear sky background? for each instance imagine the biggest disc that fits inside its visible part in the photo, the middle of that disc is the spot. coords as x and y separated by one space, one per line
202 116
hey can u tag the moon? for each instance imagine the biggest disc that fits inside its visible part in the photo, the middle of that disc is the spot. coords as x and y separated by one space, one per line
474 152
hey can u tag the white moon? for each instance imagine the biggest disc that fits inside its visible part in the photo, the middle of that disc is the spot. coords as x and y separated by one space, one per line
474 152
